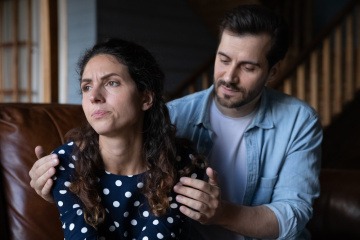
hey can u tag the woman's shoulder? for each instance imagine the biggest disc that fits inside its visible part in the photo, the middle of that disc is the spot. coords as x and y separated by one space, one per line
65 154
65 148
188 161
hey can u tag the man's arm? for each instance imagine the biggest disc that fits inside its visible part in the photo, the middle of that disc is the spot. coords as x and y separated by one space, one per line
202 202
42 172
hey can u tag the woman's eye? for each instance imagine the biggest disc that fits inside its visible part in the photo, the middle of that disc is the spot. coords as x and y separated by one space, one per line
85 88
113 83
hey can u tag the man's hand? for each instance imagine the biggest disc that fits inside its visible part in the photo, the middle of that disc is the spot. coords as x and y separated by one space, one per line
201 200
42 172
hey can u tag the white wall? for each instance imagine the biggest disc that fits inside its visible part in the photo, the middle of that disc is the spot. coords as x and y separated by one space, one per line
80 33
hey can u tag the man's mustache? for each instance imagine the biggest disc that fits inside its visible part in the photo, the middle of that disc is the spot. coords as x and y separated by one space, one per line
231 86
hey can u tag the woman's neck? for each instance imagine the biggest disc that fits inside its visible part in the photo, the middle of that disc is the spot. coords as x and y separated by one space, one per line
122 156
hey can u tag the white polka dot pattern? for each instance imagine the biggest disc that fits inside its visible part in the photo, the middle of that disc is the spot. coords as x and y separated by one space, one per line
71 227
170 220
145 213
125 205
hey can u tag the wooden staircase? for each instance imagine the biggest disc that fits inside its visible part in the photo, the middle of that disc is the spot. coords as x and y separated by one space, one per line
326 73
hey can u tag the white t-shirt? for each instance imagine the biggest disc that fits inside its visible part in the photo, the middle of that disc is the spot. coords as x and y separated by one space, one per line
228 155
228 158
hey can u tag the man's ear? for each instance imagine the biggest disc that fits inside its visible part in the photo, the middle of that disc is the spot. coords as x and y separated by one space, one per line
147 100
274 72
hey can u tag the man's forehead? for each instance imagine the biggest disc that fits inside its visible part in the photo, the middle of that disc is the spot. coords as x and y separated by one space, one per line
233 42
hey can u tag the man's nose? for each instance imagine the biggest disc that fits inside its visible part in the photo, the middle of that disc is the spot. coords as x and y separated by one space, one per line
231 74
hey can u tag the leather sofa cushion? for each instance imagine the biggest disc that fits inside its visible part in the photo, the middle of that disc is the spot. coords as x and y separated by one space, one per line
337 211
22 127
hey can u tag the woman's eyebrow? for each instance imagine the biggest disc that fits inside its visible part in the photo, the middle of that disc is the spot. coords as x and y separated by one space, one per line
85 80
106 76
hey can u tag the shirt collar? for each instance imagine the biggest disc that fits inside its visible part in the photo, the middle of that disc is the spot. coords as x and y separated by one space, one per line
203 116
263 118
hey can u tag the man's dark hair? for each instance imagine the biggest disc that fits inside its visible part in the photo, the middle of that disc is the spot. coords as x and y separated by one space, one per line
256 19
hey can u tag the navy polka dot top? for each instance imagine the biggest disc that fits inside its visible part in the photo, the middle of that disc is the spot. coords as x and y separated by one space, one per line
128 215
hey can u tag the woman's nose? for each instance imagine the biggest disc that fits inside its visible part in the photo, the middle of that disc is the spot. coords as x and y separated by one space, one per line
97 95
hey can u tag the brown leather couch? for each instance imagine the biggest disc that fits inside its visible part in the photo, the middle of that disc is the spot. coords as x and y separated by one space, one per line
24 215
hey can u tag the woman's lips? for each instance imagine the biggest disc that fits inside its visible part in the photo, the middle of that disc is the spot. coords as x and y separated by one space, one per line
99 114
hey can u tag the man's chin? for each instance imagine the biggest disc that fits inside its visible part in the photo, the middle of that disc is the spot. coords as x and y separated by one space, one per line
228 103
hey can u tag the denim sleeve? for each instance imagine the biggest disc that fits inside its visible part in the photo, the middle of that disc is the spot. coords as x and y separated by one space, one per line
298 180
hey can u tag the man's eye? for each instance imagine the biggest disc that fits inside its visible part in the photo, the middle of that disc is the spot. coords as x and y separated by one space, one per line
224 60
249 68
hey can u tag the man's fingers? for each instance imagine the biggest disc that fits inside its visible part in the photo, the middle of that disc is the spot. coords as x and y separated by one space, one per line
200 184
42 165
39 152
42 172
46 190
213 177
43 184
196 184
200 200
193 203
191 213
202 214
39 182
191 192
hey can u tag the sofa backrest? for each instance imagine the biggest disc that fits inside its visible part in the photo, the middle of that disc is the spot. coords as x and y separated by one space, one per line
23 214
337 211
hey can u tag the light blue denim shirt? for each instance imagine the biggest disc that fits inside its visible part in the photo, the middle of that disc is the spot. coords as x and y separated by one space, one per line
283 145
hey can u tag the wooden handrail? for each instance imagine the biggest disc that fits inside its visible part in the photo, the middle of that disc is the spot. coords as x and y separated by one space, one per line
190 80
325 74
314 44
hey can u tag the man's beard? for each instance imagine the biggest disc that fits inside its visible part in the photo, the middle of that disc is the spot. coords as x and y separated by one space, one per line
247 96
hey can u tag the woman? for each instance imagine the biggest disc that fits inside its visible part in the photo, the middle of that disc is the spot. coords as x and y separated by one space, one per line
116 174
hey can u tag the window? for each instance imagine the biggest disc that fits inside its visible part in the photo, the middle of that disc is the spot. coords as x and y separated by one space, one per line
28 51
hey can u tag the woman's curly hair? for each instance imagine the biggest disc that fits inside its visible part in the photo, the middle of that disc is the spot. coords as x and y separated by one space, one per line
159 142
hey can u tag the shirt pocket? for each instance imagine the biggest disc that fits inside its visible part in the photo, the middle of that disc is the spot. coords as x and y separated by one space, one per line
264 190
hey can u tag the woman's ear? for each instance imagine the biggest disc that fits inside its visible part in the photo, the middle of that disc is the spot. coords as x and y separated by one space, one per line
147 100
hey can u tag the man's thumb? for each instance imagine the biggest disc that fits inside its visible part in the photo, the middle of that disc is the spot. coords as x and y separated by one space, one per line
39 152
213 178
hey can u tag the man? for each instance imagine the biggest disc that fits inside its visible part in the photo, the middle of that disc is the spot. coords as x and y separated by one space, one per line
263 146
